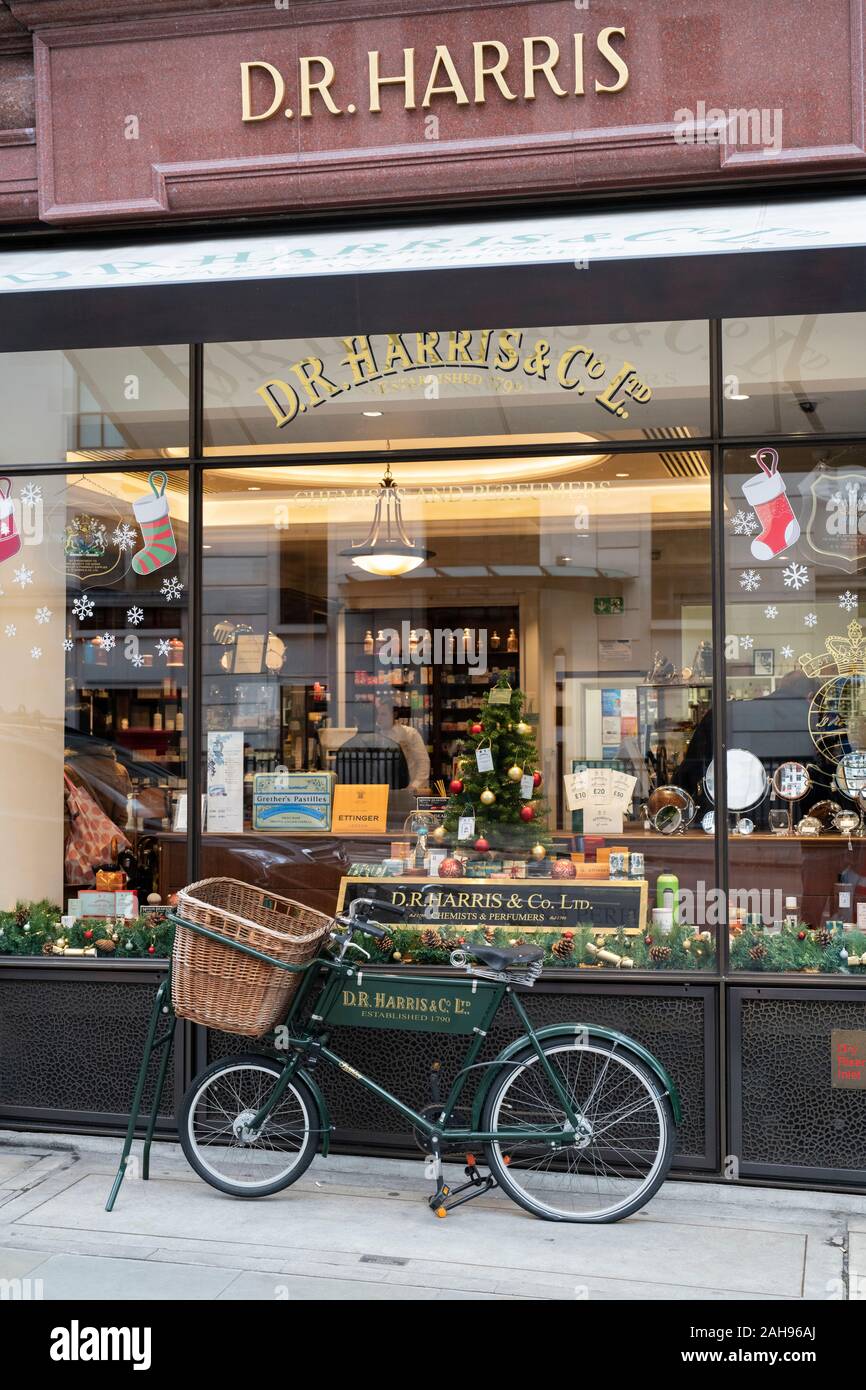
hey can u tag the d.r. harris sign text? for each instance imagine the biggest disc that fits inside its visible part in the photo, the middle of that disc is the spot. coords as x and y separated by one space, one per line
418 80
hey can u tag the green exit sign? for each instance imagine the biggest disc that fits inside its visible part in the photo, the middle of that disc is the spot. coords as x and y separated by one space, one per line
604 606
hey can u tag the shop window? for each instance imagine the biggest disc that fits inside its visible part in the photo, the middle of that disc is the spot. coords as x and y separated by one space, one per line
796 675
93 710
84 406
528 386
794 374
498 678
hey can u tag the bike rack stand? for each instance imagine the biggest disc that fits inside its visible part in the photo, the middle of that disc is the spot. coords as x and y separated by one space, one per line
153 1044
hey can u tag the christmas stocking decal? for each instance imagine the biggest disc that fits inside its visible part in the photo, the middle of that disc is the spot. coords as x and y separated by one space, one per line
10 541
767 494
151 513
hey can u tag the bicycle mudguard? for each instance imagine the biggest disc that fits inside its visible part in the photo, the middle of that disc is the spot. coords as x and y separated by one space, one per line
324 1113
568 1030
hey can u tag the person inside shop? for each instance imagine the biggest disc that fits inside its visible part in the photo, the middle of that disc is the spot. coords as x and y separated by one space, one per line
409 740
385 751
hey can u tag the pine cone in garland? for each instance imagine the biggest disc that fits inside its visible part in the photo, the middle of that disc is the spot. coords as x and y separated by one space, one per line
490 935
823 938
658 954
386 944
757 952
564 947
22 917
430 938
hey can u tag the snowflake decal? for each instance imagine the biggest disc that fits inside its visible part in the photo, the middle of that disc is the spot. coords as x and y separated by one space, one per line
794 576
83 607
134 616
771 611
36 652
787 653
810 619
848 600
744 523
836 499
68 644
31 494
171 588
10 629
43 615
163 646
747 642
23 576
750 580
137 660
124 536
108 641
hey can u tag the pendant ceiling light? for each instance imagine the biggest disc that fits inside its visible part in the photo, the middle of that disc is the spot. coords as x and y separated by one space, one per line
387 550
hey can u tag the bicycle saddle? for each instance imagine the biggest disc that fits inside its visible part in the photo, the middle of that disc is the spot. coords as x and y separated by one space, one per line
505 957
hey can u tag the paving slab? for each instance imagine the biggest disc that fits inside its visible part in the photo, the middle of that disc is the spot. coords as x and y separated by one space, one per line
71 1276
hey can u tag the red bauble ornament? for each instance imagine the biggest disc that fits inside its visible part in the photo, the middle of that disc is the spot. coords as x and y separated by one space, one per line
482 845
151 950
455 786
450 868
475 729
537 779
801 936
563 868
647 941
88 934
528 813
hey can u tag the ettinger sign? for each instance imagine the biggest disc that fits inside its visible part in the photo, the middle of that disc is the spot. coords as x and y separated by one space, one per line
488 65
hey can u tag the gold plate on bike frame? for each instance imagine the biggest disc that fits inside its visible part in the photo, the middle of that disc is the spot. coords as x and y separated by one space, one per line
419 1005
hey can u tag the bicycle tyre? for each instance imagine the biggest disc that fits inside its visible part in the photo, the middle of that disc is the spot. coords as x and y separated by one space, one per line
297 1107
519 1168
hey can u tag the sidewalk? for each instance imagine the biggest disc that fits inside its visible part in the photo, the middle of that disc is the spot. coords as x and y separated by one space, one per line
356 1228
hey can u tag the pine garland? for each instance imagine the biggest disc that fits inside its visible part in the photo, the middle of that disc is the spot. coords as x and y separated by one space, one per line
33 929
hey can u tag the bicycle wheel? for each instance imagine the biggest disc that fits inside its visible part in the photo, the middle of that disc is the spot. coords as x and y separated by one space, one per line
214 1132
608 1173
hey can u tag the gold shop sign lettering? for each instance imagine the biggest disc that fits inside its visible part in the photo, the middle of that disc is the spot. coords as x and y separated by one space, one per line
465 77
520 907
424 1005
577 368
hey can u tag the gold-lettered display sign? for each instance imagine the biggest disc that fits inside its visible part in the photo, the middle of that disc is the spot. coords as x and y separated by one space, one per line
523 906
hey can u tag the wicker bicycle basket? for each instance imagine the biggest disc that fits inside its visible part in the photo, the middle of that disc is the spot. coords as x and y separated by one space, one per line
222 988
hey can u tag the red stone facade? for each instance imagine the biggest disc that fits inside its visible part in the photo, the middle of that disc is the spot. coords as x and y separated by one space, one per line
119 110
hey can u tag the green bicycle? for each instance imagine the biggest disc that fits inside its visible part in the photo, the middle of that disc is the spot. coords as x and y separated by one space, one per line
575 1122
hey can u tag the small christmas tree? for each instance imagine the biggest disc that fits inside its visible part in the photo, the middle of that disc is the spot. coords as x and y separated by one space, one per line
507 819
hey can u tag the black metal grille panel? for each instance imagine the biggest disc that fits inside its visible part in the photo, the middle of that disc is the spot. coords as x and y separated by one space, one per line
672 1026
75 1044
785 1113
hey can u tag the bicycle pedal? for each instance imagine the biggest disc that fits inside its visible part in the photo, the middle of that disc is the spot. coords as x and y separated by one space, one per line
441 1211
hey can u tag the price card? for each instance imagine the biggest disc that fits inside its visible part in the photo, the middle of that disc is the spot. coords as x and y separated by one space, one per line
622 790
500 695
527 786
575 790
484 759
466 827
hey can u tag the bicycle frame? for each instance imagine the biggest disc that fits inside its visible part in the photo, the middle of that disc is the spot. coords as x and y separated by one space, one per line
326 1012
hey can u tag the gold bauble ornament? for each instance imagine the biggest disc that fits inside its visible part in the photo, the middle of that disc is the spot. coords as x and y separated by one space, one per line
515 773
487 797
438 833
538 851
523 728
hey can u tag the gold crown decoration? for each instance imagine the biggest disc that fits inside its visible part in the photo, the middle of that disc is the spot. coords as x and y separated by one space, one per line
847 654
